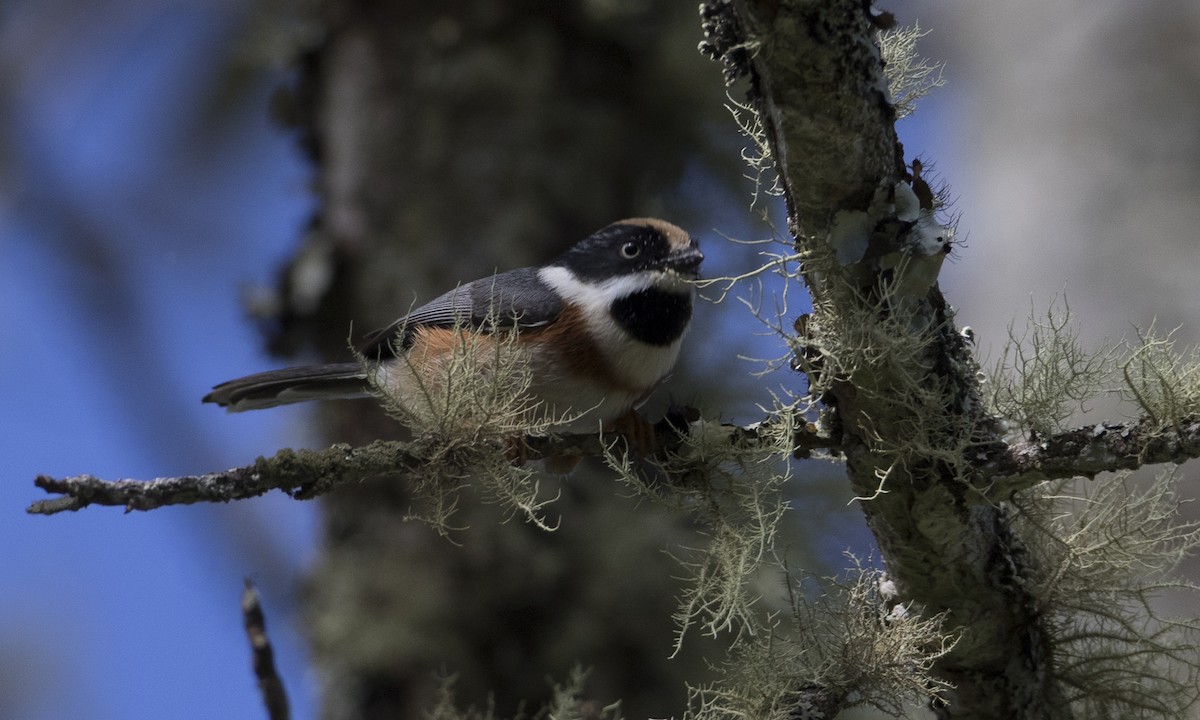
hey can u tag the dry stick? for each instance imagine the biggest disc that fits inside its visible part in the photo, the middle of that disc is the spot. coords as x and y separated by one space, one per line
269 682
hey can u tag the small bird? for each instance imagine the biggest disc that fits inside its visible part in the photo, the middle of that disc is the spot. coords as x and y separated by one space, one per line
600 327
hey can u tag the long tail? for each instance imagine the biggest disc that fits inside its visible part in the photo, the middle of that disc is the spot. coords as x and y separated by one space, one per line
291 385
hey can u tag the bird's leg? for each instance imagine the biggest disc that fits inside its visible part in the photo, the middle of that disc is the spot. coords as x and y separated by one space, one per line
516 450
561 464
638 432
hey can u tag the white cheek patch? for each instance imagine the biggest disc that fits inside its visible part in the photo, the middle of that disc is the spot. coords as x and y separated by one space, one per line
596 299
600 296
593 296
636 362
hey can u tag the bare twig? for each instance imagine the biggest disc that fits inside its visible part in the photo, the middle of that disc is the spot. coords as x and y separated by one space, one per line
269 682
305 474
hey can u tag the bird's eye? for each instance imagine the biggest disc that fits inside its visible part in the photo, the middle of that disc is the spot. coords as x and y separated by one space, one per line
630 250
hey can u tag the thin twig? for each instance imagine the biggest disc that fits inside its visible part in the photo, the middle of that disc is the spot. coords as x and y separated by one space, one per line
269 682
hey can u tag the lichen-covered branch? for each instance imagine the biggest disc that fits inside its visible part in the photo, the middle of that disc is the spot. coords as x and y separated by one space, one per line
305 474
1084 452
302 474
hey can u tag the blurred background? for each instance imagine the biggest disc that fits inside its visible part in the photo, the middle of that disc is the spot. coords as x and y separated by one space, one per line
157 171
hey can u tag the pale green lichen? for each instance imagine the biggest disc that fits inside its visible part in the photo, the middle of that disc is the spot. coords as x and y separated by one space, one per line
1163 382
1044 376
468 416
846 644
758 156
910 77
567 702
734 495
1106 553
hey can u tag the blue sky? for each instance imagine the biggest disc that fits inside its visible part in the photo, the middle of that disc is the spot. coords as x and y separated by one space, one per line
122 252
107 615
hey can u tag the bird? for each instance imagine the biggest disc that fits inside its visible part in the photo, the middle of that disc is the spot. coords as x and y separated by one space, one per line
599 328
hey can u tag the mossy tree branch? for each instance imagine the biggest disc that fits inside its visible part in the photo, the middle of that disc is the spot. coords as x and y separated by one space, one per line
998 471
305 474
1084 452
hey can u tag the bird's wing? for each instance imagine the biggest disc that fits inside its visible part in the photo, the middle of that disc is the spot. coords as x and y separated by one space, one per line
517 298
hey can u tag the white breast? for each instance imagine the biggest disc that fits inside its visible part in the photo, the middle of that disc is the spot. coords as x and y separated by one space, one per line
583 405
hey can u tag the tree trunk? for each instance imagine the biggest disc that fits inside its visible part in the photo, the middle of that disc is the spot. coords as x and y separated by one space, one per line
906 399
452 140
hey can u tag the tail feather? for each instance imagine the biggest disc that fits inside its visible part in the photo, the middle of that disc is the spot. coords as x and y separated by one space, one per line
340 381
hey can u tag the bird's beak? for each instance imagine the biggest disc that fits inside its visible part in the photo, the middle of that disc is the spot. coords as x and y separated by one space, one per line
686 261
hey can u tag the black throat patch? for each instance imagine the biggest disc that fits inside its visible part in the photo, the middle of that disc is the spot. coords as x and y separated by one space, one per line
654 316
